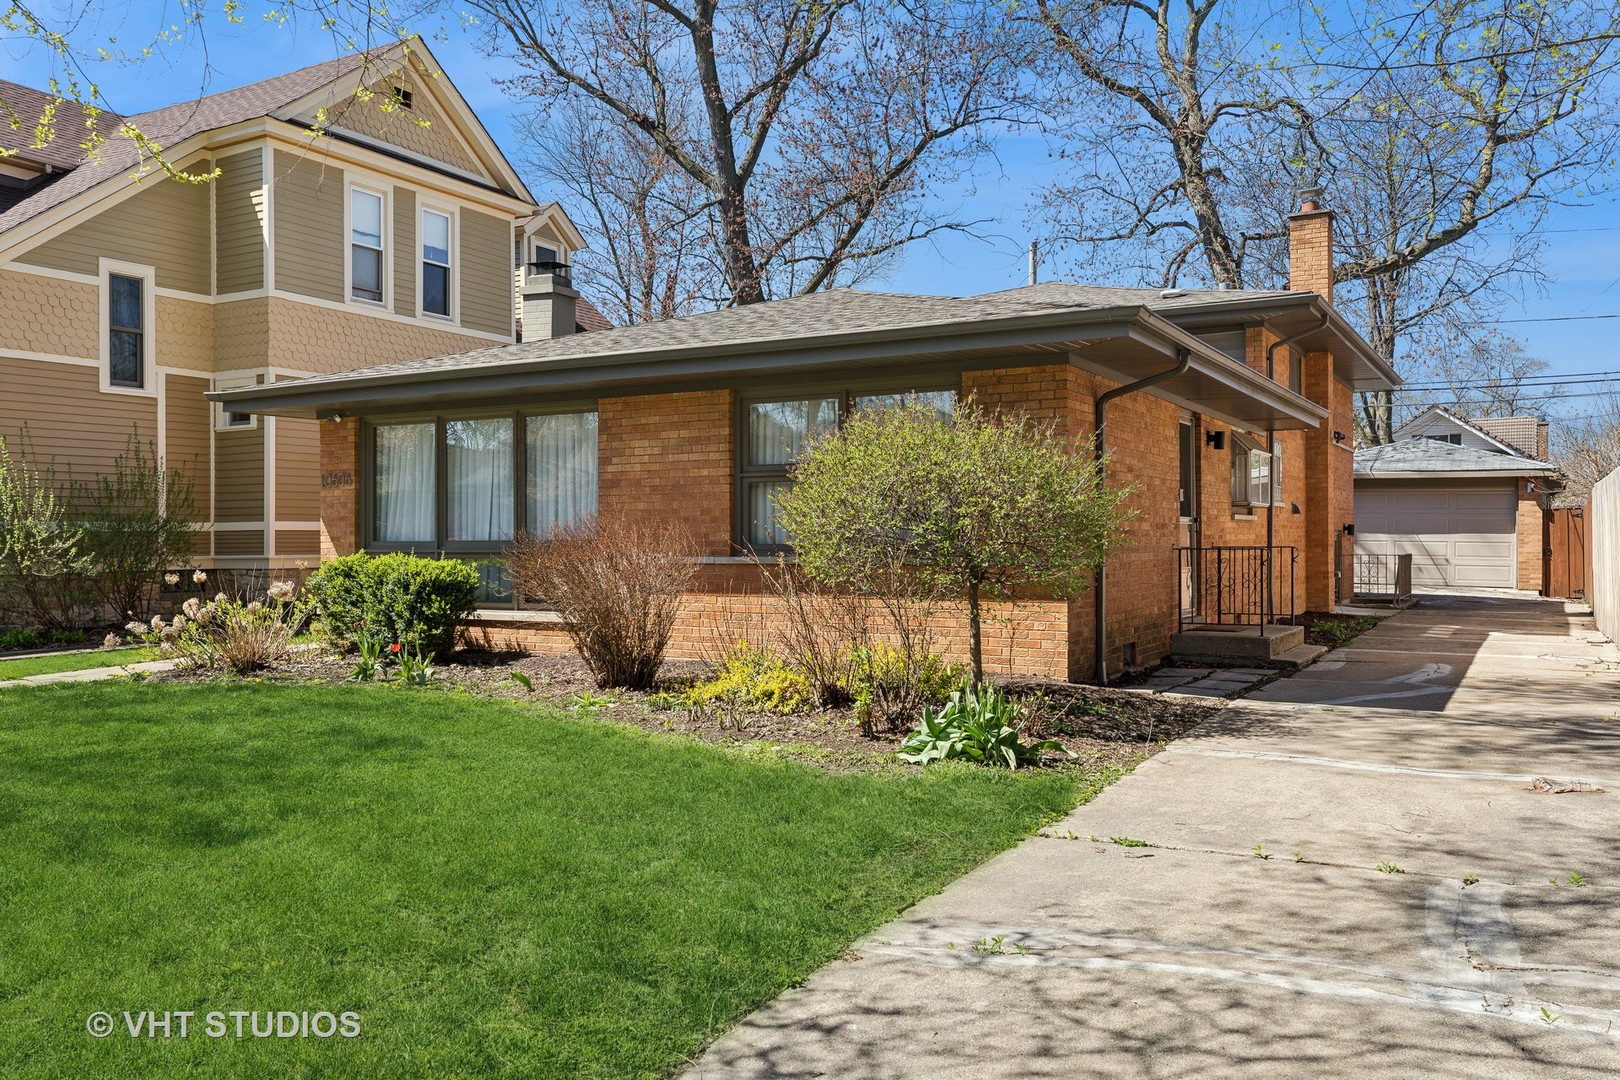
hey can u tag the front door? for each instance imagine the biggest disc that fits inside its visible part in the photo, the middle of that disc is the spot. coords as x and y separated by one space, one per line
1187 520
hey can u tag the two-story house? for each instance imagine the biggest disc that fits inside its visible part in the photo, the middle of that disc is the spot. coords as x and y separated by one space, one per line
360 214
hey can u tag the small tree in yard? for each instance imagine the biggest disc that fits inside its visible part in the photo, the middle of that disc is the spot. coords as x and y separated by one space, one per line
617 584
137 523
42 553
980 509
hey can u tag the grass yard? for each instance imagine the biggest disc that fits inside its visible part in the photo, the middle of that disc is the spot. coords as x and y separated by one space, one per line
51 663
495 889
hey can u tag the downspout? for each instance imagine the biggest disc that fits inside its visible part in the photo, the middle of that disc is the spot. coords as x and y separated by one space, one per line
1271 446
1099 446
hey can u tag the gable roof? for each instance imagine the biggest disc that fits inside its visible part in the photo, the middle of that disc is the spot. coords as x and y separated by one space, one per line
1429 457
1521 433
171 125
840 331
1440 412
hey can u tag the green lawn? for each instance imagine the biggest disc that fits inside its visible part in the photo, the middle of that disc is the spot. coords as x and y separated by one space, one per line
51 663
495 890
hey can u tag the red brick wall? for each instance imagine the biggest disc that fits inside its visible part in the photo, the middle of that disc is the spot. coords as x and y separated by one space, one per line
340 491
670 456
1532 540
1310 253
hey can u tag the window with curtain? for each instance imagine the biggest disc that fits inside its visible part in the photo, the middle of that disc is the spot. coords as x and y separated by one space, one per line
560 456
126 331
403 479
776 433
1256 472
365 244
436 263
478 481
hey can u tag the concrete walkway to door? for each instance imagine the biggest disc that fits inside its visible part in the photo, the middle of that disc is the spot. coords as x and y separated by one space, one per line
1351 876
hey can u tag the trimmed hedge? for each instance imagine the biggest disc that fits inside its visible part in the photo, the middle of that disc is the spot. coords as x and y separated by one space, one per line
415 601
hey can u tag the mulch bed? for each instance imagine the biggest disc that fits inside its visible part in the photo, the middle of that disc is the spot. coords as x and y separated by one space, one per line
1102 727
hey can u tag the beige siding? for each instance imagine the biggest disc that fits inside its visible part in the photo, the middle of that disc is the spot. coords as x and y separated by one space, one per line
308 210
298 470
239 475
422 129
486 294
242 335
48 315
70 421
185 334
299 542
404 251
249 542
173 236
187 414
306 337
241 222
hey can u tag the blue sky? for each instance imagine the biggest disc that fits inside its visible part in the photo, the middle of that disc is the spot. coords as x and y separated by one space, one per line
1582 251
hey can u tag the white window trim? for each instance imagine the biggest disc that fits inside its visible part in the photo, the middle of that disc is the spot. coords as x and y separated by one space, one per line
385 193
1245 450
454 214
239 383
149 372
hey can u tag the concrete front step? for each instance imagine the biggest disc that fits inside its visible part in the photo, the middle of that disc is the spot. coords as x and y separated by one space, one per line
1247 644
1297 657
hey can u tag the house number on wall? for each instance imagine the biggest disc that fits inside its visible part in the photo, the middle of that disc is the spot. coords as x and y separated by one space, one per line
337 479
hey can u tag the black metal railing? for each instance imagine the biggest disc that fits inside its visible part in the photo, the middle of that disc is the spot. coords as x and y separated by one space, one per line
558 270
1236 586
1386 578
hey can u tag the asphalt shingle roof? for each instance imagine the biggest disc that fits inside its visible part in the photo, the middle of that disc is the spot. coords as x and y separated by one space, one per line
167 126
802 319
1420 455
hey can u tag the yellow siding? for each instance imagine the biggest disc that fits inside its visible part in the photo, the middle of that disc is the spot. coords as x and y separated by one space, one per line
308 210
70 421
185 334
306 337
241 225
298 470
188 417
299 542
421 129
486 296
404 251
173 236
239 475
250 542
48 315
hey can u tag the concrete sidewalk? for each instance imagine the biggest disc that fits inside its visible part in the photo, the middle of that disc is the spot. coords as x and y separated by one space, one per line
1255 935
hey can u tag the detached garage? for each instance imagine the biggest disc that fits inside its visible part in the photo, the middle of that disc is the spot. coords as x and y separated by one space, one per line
1470 518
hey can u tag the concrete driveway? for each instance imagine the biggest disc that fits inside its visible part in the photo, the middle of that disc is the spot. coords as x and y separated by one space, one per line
1253 935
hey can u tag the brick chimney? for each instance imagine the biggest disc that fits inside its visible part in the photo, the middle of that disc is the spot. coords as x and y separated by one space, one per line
1310 246
550 304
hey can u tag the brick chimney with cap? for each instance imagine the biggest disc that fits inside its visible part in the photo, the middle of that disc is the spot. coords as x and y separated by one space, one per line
1310 246
550 303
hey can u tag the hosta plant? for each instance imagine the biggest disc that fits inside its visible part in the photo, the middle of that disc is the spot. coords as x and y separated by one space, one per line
979 723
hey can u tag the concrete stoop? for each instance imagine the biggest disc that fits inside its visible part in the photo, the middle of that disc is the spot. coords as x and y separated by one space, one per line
1267 646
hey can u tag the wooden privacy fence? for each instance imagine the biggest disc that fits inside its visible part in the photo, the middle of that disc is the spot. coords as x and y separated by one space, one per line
1568 554
1603 530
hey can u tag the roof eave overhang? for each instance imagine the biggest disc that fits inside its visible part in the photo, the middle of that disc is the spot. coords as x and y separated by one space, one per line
1355 362
1453 474
1121 344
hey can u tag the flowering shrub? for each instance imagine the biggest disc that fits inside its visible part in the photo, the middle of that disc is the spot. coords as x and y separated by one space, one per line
242 635
753 678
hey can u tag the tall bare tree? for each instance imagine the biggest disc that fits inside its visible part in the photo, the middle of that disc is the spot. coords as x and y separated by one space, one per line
816 128
1586 446
1193 120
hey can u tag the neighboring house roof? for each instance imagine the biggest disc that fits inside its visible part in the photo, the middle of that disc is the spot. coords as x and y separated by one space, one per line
1519 432
1123 334
1429 457
1440 412
172 124
588 318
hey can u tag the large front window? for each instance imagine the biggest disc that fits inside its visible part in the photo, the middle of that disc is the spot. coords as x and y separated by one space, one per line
467 484
365 245
777 431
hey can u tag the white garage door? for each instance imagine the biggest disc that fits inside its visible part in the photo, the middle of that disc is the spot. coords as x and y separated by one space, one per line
1457 536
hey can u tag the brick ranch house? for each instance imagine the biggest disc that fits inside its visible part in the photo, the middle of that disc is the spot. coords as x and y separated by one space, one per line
1228 414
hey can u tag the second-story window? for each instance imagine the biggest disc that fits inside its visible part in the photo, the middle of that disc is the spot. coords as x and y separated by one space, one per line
436 263
366 245
126 331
